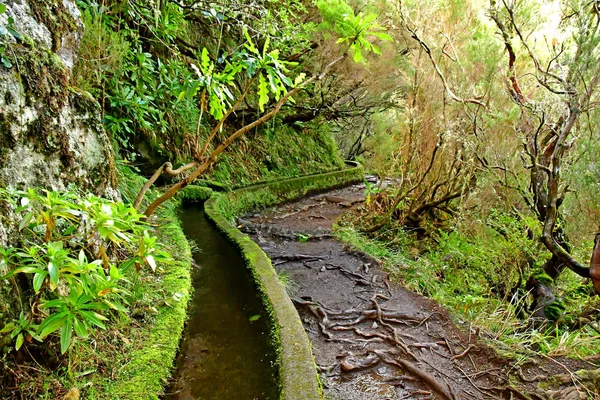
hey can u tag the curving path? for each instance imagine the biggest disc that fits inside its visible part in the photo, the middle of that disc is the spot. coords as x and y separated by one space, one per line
371 338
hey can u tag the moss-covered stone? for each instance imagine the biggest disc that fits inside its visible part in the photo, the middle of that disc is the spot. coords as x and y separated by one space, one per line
543 278
46 141
194 194
56 17
262 195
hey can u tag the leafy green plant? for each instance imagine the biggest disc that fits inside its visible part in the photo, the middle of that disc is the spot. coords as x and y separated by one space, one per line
262 66
6 31
352 28
20 329
77 251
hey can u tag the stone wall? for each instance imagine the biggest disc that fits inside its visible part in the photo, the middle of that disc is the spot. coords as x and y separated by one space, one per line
51 135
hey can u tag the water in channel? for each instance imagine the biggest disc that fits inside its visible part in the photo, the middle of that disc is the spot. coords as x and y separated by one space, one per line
225 353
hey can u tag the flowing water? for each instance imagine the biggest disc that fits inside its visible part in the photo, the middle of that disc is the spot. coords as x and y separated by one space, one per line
226 352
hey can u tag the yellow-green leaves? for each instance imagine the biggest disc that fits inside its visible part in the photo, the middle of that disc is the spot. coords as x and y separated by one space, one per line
82 245
356 31
263 92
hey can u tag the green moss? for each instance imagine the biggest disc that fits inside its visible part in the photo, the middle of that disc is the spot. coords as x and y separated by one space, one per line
45 80
193 193
263 195
543 278
554 311
43 75
55 16
7 142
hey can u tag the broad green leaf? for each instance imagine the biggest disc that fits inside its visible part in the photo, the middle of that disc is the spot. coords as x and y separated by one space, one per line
93 318
25 221
80 328
53 303
2 8
8 327
129 263
27 270
20 340
263 92
357 54
38 280
15 34
66 333
53 323
53 272
382 36
116 306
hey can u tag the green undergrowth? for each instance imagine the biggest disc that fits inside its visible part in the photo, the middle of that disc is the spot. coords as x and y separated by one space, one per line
474 273
276 152
194 193
133 358
159 303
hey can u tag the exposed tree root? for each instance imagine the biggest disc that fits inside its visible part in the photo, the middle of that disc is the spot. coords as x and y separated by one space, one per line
297 211
434 384
281 259
284 233
464 353
352 363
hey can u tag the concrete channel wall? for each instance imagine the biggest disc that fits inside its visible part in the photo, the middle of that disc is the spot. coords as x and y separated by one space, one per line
298 377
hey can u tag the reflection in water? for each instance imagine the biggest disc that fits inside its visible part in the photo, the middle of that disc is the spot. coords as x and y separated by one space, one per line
225 353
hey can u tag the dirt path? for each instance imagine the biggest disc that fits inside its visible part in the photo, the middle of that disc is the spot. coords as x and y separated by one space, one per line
373 339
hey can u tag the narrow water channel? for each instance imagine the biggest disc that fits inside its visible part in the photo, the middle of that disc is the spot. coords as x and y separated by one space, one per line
225 353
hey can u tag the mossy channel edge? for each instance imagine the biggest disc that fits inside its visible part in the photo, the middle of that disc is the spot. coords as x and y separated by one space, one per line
298 376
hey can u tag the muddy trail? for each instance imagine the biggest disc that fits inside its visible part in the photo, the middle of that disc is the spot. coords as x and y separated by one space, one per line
373 339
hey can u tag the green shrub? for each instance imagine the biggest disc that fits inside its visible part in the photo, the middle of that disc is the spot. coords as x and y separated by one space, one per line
76 250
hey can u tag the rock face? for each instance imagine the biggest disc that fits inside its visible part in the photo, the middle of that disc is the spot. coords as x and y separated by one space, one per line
51 135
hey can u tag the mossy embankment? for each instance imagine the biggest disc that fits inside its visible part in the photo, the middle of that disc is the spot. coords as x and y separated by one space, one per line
297 373
275 152
144 364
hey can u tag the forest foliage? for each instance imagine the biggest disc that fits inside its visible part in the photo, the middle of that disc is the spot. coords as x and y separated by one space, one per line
490 206
480 117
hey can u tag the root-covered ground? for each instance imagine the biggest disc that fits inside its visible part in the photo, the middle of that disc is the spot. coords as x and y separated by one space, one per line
373 339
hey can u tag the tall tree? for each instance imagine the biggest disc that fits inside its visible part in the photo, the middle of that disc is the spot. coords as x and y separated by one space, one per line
561 87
